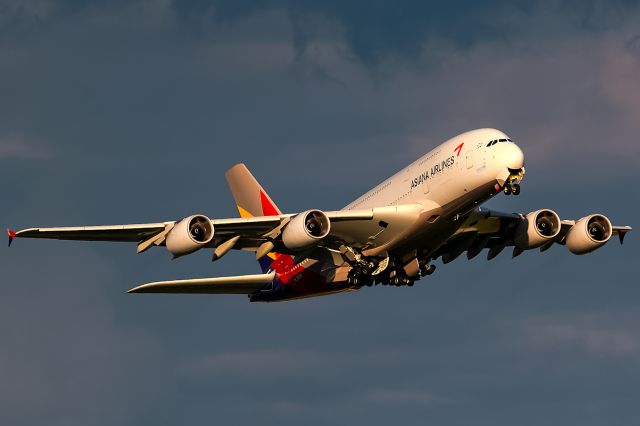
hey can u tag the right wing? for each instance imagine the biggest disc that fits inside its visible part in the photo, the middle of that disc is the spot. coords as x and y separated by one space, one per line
125 233
248 233
356 228
244 284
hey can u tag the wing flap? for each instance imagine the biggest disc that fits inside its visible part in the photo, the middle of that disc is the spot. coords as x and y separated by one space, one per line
243 284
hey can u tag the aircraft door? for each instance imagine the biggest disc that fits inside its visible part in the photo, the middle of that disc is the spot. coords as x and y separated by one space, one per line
425 187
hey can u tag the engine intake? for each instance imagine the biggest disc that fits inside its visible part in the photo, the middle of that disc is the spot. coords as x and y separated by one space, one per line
189 235
538 228
305 230
589 233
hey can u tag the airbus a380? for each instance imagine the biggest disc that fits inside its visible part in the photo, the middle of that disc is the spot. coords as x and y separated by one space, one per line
390 235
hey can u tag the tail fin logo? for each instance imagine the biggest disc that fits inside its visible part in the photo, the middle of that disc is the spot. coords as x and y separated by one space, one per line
268 209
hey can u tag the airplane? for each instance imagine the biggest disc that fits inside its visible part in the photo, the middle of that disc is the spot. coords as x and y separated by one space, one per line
391 235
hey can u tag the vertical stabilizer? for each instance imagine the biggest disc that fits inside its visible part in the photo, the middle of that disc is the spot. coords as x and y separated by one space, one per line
251 200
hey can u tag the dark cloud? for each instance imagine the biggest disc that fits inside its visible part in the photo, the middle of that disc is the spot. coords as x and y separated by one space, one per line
377 29
132 111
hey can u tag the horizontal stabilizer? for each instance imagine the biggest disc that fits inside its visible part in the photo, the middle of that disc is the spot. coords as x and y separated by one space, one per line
243 284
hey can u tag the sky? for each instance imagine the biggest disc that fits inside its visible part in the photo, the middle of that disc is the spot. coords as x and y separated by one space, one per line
131 111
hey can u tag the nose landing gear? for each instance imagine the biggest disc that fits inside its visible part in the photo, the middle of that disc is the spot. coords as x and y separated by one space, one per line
512 185
511 188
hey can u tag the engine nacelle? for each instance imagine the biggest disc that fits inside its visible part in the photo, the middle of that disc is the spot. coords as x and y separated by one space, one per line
189 235
306 229
538 228
588 234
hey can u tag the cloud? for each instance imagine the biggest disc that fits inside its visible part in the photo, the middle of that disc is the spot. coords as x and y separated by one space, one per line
412 397
63 358
263 364
587 334
17 147
38 10
383 30
143 109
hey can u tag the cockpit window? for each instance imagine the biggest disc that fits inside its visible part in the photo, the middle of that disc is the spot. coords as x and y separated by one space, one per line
495 141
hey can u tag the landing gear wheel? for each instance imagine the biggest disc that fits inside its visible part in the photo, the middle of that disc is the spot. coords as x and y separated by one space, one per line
507 189
515 188
427 270
355 280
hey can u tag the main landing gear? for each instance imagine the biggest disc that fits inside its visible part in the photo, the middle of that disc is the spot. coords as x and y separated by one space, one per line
393 275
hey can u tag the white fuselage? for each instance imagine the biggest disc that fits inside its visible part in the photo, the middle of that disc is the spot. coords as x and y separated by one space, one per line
449 172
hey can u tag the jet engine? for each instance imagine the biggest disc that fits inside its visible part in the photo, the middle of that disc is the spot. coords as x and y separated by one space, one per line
305 230
588 234
538 228
189 235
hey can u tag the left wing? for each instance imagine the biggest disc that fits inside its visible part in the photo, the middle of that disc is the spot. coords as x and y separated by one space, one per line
485 228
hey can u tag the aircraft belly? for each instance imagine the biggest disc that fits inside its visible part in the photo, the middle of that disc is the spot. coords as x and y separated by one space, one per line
407 229
426 235
387 224
307 283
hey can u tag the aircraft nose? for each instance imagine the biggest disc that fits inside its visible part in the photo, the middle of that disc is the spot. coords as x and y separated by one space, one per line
513 156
